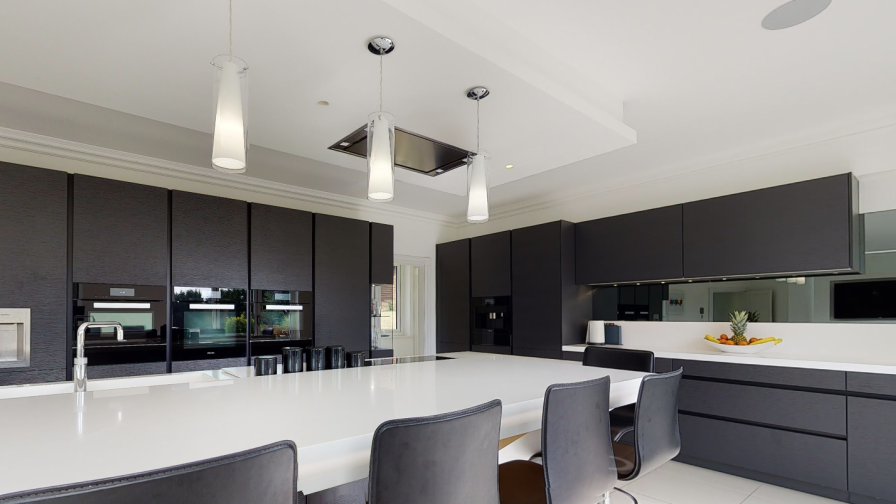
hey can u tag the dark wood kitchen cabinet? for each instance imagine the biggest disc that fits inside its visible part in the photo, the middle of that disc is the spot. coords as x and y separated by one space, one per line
342 282
33 242
490 265
382 259
120 232
281 248
636 247
872 438
549 309
453 296
209 241
806 227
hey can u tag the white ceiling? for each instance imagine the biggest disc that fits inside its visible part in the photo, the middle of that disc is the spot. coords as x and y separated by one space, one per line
699 80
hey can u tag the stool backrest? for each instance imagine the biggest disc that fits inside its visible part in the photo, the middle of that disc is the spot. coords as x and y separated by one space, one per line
264 475
577 453
619 358
657 438
450 458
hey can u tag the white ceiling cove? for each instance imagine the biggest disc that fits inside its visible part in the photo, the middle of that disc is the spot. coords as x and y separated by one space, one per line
585 93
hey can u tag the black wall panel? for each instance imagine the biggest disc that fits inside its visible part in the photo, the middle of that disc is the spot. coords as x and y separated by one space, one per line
120 232
209 241
341 282
382 258
803 227
635 247
281 248
490 265
33 242
453 296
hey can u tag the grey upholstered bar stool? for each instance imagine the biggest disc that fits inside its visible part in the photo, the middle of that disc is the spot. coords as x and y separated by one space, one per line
577 454
657 438
450 458
622 419
265 475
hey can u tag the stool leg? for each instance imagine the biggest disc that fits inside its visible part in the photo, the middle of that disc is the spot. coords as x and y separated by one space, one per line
630 496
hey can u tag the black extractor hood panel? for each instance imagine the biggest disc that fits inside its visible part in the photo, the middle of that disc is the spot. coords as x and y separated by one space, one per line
412 151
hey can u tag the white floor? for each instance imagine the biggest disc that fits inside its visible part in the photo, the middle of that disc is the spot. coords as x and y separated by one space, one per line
676 483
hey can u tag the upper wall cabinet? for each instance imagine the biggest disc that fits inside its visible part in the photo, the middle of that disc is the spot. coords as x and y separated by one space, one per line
382 260
33 229
490 265
120 232
209 241
281 246
807 227
637 247
342 282
453 296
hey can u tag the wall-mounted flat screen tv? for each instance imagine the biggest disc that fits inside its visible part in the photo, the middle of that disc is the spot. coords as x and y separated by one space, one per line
864 300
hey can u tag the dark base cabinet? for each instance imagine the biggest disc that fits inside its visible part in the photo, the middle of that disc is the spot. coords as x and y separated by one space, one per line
541 354
123 370
828 433
206 365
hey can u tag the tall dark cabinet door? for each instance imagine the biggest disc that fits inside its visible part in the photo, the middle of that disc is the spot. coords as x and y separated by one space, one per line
636 247
209 241
871 447
453 296
807 227
281 246
537 304
341 282
549 309
382 259
490 265
120 232
33 241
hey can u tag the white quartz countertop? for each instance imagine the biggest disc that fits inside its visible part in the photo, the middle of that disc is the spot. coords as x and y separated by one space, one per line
871 363
330 415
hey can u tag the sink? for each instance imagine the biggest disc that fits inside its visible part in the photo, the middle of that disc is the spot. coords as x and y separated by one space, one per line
42 389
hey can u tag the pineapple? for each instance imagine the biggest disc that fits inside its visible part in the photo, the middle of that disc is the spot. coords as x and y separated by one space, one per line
739 320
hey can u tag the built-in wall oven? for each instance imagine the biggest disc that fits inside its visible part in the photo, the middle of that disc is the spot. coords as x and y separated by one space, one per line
280 319
141 311
208 323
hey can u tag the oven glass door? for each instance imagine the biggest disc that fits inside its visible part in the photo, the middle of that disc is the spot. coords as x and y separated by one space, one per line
144 325
209 323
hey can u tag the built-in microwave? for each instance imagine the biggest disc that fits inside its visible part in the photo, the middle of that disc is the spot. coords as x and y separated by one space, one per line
280 319
141 311
208 323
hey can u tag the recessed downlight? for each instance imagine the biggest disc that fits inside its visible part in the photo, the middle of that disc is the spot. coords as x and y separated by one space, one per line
793 13
509 166
324 103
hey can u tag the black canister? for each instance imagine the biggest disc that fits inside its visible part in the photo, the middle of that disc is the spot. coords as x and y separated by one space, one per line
292 360
316 358
355 359
335 357
265 366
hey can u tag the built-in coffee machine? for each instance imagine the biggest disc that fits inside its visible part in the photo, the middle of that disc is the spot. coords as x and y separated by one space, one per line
492 324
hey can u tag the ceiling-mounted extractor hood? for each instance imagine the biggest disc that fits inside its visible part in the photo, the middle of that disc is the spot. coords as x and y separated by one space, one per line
413 152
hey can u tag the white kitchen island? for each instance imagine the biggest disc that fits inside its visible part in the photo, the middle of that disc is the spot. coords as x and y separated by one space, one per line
330 415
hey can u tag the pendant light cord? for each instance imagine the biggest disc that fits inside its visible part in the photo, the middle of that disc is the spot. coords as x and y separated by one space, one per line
477 126
381 82
230 36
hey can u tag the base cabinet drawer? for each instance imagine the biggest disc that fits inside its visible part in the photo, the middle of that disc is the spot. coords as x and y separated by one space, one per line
802 457
774 375
872 448
807 411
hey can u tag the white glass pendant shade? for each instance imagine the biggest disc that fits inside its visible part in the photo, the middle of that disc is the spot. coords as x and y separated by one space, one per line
380 157
231 138
477 188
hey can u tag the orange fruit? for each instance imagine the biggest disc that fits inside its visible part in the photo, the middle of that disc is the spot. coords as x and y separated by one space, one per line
723 337
743 343
753 340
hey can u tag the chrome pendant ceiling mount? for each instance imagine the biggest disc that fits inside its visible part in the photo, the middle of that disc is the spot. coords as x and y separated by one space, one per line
381 46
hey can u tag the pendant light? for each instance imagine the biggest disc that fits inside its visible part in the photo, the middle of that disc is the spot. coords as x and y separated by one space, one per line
230 146
477 170
381 138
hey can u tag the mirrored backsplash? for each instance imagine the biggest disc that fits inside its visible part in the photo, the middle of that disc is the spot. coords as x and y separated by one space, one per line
866 298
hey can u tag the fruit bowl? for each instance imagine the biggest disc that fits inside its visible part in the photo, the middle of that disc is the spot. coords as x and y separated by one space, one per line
743 350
